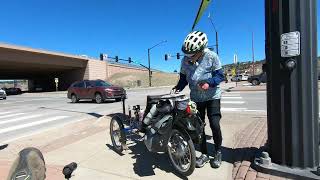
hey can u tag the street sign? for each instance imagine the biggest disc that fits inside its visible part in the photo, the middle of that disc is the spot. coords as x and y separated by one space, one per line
56 80
290 44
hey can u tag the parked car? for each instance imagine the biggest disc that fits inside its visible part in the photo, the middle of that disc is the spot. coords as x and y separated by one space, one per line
96 90
3 94
13 91
240 77
258 79
236 78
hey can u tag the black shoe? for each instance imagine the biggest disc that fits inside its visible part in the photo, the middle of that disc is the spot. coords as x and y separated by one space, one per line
216 162
202 160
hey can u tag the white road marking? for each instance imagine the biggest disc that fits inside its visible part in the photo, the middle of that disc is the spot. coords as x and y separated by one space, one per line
11 115
240 110
255 110
43 130
233 92
233 109
20 118
8 112
232 102
231 97
13 128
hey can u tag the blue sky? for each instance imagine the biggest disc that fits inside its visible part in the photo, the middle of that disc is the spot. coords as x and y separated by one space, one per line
128 28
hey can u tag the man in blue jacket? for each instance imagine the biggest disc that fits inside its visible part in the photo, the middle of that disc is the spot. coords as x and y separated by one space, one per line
201 69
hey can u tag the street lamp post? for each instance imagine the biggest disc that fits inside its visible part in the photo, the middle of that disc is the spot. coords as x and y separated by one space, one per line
214 27
253 68
149 68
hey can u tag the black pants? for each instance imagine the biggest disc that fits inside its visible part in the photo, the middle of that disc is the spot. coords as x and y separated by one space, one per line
214 116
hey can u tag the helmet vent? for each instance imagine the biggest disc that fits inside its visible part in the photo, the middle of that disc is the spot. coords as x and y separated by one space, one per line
195 40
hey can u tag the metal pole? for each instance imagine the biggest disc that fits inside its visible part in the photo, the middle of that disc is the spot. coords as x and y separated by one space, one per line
214 27
292 88
217 44
149 69
253 53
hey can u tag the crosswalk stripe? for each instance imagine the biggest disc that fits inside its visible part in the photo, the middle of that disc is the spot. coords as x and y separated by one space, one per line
255 110
233 92
13 128
11 115
232 102
233 109
231 97
20 119
8 112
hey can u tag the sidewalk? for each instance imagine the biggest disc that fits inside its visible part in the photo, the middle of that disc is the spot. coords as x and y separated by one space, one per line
88 143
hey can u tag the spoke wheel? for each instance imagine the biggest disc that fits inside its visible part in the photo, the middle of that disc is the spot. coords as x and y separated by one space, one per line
181 153
117 134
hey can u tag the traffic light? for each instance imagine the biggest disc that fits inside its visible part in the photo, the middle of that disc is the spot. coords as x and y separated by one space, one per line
130 60
166 57
101 56
117 58
178 55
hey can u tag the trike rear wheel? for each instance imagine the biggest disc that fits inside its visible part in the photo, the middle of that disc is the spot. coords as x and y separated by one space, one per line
117 134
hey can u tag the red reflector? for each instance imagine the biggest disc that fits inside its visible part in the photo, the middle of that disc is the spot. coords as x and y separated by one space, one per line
188 110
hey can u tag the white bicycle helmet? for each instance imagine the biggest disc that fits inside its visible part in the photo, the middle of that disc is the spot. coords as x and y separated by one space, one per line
195 42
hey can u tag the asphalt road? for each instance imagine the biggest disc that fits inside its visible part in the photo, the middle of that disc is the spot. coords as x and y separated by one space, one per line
27 114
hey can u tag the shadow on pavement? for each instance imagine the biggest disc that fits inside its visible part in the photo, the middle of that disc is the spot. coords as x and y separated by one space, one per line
91 114
3 146
93 102
113 149
233 155
147 162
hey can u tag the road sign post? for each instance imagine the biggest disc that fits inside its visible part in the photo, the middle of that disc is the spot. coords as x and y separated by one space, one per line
56 80
292 90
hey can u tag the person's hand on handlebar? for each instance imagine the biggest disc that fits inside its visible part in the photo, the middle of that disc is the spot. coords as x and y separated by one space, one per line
175 90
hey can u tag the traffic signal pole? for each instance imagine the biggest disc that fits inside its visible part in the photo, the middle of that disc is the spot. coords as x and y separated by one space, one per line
292 90
149 68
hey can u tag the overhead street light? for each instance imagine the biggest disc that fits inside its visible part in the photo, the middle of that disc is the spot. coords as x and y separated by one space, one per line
149 59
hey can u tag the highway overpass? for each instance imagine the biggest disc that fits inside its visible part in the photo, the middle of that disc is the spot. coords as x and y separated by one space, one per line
41 67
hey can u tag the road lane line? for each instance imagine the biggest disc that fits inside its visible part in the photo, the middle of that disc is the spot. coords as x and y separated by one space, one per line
20 118
232 102
22 126
11 115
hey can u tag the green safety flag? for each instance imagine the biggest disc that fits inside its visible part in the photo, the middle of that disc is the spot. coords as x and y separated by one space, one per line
202 8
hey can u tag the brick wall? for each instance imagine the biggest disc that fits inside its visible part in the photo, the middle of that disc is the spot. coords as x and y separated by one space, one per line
114 68
96 70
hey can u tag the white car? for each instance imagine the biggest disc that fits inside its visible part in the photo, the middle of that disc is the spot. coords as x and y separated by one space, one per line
245 77
240 77
3 94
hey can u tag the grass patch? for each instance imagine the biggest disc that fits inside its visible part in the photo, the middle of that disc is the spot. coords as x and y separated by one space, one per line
130 80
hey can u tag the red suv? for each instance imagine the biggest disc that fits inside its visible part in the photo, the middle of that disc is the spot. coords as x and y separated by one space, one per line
97 90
